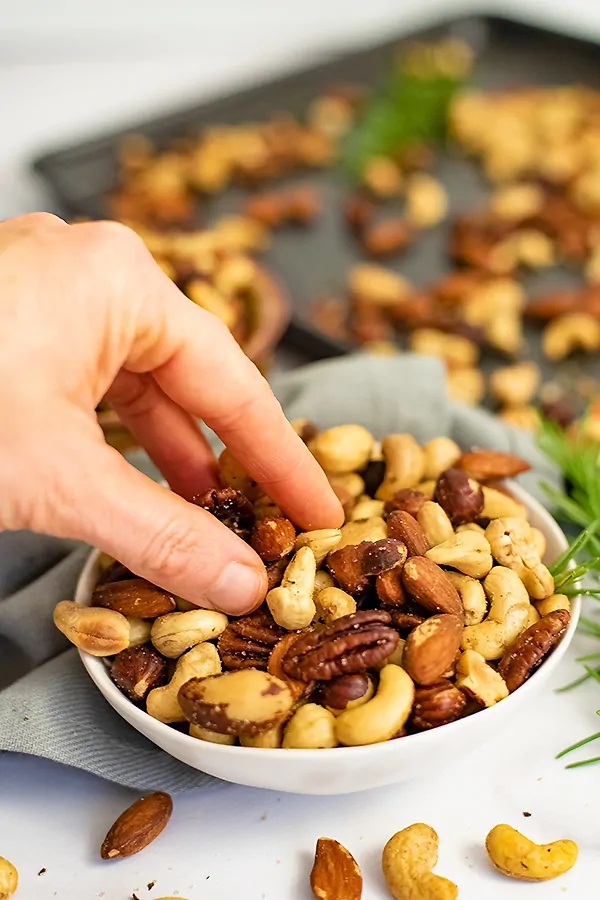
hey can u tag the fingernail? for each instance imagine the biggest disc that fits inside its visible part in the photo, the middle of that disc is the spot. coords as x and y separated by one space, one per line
238 589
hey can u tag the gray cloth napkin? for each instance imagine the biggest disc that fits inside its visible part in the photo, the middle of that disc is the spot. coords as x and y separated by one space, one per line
49 707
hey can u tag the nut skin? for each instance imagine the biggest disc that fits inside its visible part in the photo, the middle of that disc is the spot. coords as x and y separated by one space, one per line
345 692
247 642
516 856
134 597
483 465
335 872
229 506
457 496
9 879
431 648
429 585
438 704
407 617
407 499
404 527
137 670
273 538
530 648
137 826
349 645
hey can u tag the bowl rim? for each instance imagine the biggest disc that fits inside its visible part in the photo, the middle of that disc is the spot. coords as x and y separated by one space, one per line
98 672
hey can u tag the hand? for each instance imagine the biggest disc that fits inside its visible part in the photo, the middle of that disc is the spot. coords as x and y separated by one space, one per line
85 311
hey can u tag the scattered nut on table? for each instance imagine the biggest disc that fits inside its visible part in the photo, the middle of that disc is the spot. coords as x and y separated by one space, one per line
515 855
139 825
9 879
408 860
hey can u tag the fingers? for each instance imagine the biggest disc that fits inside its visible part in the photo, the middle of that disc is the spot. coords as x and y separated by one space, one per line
170 436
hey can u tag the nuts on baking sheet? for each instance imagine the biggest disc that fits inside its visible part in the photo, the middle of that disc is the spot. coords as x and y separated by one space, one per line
408 859
516 856
139 825
9 879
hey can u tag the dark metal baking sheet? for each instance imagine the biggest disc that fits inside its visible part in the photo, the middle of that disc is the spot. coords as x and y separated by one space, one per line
314 262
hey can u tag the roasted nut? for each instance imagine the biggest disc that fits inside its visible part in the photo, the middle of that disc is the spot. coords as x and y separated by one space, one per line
408 500
405 465
273 538
390 588
381 717
292 605
377 285
539 541
467 551
358 210
275 573
407 861
349 645
466 385
322 580
199 662
382 176
395 657
407 617
507 618
426 200
553 603
431 648
512 544
477 679
112 570
137 670
176 632
457 351
333 603
405 528
484 465
499 505
435 705
299 689
346 692
321 542
530 648
247 642
346 566
139 825
9 879
533 616
430 587
311 728
517 202
139 631
335 872
366 508
516 856
440 454
346 448
573 331
205 734
515 385
229 505
435 523
525 417
471 526
350 482
246 701
459 496
267 740
99 631
134 597
386 237
472 596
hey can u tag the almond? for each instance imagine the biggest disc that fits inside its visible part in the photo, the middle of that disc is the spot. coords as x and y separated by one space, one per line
134 597
431 648
429 585
335 873
404 527
138 826
484 465
460 498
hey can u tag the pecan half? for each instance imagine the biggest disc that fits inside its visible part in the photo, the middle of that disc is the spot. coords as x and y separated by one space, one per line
404 527
530 648
273 538
230 507
300 689
408 500
461 499
437 704
351 644
483 465
247 642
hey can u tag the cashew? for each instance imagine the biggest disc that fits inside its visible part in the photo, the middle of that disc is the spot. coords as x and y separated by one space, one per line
440 454
139 631
524 417
426 200
470 526
382 176
515 202
234 475
407 861
539 541
343 449
515 385
213 737
468 551
513 545
507 618
291 604
321 542
472 595
267 740
427 488
435 523
322 580
569 332
367 509
350 482
477 679
515 855
377 284
333 603
457 351
533 616
497 505
200 661
176 632
380 718
405 465
98 631
9 879
373 529
552 603
465 385
312 727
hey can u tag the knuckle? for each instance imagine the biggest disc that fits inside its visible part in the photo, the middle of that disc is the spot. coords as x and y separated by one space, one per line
39 221
112 238
166 555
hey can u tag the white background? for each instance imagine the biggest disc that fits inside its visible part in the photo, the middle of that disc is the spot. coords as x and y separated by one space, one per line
68 68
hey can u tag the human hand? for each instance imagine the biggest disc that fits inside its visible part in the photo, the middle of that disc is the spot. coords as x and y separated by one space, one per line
85 311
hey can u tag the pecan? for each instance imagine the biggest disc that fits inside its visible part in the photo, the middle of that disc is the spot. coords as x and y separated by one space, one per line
134 597
268 208
429 585
404 527
553 304
407 617
530 648
349 645
300 689
408 500
482 465
273 538
138 670
390 589
247 642
454 287
230 507
461 500
437 704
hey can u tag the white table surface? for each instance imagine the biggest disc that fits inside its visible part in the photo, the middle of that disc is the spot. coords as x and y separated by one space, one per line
70 68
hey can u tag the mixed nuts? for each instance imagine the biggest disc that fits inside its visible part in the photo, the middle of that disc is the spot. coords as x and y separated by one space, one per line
432 601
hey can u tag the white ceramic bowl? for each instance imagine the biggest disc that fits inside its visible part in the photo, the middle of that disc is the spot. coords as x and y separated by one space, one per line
344 769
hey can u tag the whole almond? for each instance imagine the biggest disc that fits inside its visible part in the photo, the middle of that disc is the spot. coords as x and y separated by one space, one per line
429 585
404 527
335 873
482 465
134 597
431 648
137 826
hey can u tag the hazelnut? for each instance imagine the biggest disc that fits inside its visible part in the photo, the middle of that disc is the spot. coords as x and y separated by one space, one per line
273 538
345 692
